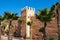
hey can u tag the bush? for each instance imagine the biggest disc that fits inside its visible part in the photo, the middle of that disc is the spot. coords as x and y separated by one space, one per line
53 38
7 31
15 34
41 29
28 38
3 26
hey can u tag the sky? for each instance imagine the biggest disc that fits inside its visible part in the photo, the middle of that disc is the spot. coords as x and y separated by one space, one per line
15 6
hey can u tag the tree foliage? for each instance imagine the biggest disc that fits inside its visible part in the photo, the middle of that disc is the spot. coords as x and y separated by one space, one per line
20 19
45 15
1 18
10 15
29 23
55 7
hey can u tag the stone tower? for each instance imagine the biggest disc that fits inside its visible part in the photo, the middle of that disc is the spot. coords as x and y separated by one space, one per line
27 13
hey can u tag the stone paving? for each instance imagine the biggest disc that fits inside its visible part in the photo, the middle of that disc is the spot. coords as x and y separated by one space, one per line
6 38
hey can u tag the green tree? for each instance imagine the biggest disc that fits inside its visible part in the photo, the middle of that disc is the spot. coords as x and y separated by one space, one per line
56 8
20 21
45 16
10 16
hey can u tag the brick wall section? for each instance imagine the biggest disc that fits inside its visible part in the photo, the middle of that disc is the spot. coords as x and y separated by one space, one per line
51 29
36 35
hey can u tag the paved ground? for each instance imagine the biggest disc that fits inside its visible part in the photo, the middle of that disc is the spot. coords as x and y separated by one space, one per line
6 38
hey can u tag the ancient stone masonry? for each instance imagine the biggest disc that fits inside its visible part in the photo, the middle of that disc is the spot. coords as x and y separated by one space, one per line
28 14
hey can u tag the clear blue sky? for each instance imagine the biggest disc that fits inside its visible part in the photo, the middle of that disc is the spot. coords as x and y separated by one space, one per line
16 5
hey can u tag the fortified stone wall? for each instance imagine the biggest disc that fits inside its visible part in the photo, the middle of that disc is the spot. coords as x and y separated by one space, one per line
51 29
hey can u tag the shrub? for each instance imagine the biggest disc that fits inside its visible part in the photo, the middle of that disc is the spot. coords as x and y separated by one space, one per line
16 34
7 31
28 38
41 29
53 38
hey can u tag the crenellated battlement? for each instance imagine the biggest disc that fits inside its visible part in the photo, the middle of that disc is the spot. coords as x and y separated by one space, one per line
29 8
28 12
